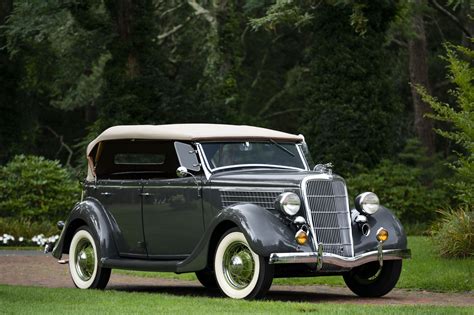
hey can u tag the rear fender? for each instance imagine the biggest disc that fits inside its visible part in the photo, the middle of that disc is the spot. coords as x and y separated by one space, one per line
91 213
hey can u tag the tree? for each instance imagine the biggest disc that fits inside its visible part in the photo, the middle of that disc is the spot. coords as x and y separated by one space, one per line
418 69
460 115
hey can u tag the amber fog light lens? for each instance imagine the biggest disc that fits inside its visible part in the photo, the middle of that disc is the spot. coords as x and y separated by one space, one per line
382 235
301 237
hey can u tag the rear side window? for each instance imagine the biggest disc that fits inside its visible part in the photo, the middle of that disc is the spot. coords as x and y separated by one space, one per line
135 159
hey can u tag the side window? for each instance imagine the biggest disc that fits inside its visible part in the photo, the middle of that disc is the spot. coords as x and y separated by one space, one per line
136 159
187 156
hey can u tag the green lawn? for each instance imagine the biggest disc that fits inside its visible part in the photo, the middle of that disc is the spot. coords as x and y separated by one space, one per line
33 300
425 271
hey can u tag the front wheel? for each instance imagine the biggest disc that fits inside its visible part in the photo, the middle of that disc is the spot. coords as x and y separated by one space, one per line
240 272
370 280
83 261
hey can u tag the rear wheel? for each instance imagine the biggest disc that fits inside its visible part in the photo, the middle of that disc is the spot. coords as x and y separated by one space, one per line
207 278
370 280
240 272
84 261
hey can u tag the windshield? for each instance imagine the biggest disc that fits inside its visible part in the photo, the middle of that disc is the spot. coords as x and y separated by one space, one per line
239 154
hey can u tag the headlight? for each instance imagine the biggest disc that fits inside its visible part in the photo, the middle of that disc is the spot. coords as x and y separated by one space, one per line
289 203
367 202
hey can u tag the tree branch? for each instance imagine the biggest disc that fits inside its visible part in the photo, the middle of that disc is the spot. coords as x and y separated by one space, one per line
452 17
176 28
171 10
199 10
62 145
282 112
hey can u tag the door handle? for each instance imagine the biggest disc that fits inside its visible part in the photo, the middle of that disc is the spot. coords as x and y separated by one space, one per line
106 193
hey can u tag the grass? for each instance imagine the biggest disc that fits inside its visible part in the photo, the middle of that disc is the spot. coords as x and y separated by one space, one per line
424 271
32 300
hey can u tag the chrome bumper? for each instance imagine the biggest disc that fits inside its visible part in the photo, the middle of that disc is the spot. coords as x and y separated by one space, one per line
321 259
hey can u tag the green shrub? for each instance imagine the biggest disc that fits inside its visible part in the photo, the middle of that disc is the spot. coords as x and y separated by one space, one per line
33 188
412 185
26 228
454 233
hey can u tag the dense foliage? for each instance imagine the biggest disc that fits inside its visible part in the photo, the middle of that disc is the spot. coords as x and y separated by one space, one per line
412 185
338 71
35 189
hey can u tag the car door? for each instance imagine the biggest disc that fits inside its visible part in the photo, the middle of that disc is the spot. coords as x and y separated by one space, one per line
172 210
122 201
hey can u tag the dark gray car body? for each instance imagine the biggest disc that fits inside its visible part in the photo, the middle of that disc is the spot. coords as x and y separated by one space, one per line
175 224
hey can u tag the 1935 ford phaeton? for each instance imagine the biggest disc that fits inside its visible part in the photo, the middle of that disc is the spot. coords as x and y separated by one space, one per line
237 205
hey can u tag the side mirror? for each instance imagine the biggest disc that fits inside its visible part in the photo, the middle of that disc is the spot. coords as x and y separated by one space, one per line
182 172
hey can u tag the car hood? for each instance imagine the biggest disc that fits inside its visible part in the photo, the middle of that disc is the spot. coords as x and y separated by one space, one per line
264 177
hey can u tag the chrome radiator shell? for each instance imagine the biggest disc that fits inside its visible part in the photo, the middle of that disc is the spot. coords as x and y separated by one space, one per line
327 211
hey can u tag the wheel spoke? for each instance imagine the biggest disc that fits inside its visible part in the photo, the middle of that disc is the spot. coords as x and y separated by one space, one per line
238 265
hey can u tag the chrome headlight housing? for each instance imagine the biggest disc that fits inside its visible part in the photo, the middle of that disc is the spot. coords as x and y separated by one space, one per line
289 203
367 203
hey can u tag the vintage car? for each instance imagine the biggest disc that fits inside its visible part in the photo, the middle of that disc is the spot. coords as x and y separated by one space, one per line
237 205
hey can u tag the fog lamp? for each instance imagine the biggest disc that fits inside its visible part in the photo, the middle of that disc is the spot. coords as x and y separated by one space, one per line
382 235
301 237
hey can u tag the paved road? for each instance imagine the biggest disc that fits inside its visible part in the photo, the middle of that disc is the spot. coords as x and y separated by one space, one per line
22 253
32 268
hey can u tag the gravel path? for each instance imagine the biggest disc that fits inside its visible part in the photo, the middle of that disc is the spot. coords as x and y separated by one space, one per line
36 269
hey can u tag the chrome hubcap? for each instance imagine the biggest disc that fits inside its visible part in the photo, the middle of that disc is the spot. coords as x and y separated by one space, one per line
238 265
85 259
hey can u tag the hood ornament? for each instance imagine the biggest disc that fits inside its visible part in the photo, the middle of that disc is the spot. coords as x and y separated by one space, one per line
323 168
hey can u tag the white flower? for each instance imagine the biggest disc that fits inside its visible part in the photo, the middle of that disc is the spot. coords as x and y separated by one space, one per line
1 238
21 239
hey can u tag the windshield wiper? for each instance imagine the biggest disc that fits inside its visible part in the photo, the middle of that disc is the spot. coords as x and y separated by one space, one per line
282 147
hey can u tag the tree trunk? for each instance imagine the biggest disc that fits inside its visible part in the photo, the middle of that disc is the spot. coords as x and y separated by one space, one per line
125 12
418 67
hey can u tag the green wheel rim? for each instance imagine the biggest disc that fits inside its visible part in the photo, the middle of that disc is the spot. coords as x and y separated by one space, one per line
85 259
238 265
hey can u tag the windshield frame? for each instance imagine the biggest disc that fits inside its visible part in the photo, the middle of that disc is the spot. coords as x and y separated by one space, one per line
209 170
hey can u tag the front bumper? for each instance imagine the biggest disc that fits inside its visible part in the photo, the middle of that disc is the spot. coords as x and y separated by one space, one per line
321 259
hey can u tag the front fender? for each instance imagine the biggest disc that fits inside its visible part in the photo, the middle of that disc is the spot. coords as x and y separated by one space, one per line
91 213
265 233
382 218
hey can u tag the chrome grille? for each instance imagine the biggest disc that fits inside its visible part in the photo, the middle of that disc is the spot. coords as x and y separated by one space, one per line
329 214
265 199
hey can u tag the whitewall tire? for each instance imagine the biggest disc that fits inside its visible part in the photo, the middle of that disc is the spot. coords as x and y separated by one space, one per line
239 271
84 261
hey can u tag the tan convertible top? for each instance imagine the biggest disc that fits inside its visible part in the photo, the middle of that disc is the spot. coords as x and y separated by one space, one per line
185 132
190 132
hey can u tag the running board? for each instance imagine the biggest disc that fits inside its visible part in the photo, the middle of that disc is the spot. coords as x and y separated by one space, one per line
141 265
